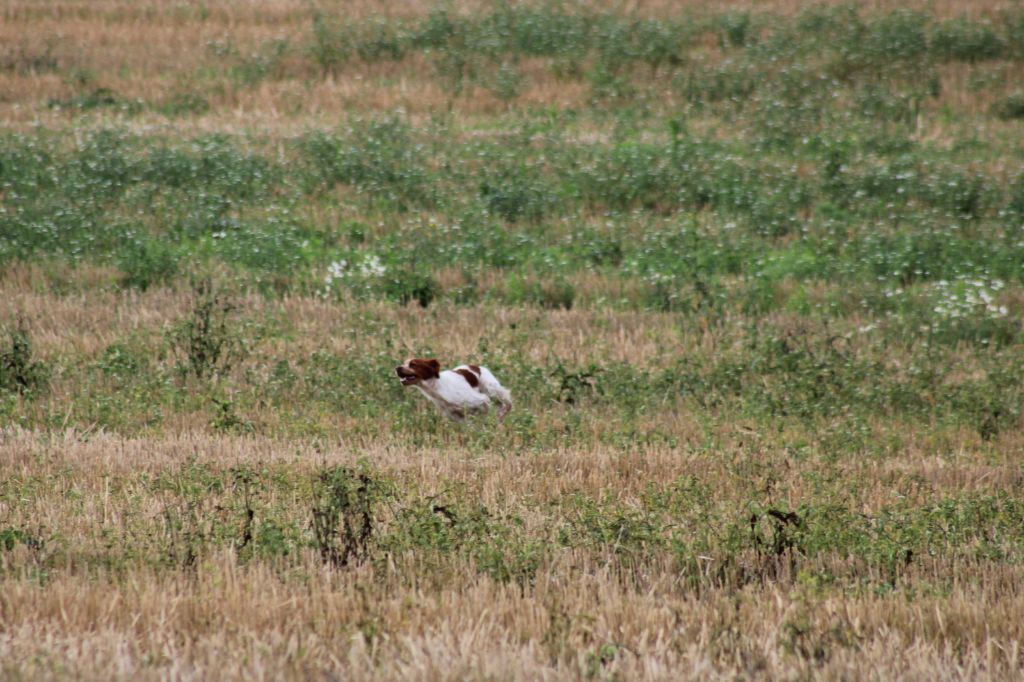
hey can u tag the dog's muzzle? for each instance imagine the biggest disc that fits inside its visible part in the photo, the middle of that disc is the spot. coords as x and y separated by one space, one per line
406 376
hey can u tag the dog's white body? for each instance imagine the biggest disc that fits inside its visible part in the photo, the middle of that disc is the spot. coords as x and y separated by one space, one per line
457 392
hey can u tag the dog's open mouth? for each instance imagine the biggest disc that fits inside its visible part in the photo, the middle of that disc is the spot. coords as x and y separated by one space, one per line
406 376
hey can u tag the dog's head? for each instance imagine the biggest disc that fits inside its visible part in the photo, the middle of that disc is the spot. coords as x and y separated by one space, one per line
416 370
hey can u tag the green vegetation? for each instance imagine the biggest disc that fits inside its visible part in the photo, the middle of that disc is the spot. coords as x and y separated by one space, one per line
844 265
756 280
351 517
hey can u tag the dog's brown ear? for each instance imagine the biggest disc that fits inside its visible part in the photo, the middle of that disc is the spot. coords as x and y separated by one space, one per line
425 369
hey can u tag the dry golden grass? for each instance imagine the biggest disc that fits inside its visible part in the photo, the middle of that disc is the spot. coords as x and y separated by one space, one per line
89 604
230 621
581 617
87 322
182 629
152 51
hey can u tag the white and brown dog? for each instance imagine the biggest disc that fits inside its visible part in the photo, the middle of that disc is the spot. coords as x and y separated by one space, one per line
456 392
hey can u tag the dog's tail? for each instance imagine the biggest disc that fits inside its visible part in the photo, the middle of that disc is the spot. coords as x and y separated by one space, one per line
498 393
504 400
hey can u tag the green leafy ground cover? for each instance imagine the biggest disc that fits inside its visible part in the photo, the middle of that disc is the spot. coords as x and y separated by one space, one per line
772 260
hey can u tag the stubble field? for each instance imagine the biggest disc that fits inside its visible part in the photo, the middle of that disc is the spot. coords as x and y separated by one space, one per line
753 275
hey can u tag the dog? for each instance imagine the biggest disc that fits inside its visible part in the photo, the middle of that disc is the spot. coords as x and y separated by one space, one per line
456 392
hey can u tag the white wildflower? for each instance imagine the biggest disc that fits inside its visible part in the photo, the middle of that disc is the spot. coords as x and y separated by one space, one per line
372 267
335 270
967 297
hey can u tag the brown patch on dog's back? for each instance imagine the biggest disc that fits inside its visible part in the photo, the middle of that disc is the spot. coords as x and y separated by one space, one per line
475 369
473 380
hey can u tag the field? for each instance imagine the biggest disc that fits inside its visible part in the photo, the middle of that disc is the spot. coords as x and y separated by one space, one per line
753 273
